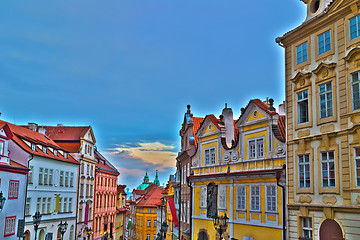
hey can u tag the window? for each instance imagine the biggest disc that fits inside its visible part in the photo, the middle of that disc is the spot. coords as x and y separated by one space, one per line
55 152
82 168
48 205
41 170
271 198
256 148
44 149
70 205
307 227
147 236
13 189
149 223
91 170
51 173
222 196
355 83
71 179
61 178
65 205
38 203
33 147
2 147
87 169
304 171
203 192
65 154
43 205
30 175
10 226
301 53
66 179
60 204
324 42
357 166
46 173
241 198
27 206
149 210
354 27
255 198
328 169
209 157
326 108
303 106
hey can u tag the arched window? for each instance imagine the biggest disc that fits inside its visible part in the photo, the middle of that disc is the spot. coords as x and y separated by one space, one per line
42 234
72 233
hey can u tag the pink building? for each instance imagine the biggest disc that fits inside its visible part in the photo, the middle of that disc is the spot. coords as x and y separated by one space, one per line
105 198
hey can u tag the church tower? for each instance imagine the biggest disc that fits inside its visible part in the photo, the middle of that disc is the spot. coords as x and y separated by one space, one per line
156 181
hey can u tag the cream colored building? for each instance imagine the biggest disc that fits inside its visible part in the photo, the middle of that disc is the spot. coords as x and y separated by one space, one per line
322 68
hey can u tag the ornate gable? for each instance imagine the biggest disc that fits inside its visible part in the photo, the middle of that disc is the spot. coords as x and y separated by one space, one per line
301 80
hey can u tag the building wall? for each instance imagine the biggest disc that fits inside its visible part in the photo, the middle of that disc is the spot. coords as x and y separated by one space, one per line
105 203
142 217
51 219
336 133
12 207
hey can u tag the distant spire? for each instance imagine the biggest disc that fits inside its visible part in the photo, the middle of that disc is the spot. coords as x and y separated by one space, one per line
156 181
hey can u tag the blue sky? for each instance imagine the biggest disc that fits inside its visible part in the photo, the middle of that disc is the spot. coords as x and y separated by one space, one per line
129 68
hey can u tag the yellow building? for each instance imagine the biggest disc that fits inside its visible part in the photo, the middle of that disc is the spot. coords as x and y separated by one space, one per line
323 121
168 195
242 159
146 214
120 212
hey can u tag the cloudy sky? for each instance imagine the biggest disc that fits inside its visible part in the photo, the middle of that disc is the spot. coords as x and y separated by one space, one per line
129 68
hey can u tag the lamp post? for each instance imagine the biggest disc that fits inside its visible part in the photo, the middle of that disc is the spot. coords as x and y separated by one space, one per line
2 201
36 221
63 227
220 224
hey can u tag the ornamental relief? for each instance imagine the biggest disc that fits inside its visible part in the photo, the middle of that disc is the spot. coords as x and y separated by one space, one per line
301 80
325 71
233 156
353 58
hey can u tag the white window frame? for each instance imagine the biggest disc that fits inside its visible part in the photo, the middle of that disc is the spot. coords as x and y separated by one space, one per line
257 198
271 206
304 164
329 112
241 198
323 41
212 156
357 25
222 197
328 161
254 149
357 82
303 51
305 229
357 166
299 102
203 197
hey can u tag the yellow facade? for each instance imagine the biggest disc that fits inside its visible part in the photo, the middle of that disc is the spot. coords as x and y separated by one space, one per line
238 174
120 214
328 139
145 223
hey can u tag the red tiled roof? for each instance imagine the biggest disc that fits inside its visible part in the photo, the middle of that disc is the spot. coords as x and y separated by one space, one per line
104 165
66 133
121 189
280 129
72 147
151 197
38 138
263 106
197 122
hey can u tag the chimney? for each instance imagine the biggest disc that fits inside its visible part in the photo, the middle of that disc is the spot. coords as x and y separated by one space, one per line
282 111
228 120
60 125
33 126
42 130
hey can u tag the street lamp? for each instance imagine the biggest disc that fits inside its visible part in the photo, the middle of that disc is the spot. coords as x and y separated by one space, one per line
2 201
36 221
89 232
220 224
63 227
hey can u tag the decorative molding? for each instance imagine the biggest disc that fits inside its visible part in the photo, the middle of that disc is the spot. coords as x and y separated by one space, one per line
327 128
305 199
304 133
329 200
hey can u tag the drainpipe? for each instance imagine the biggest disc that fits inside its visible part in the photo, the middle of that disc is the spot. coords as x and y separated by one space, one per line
191 212
27 181
278 177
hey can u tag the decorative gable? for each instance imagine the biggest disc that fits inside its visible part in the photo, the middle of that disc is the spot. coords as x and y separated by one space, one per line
210 128
256 114
315 7
302 80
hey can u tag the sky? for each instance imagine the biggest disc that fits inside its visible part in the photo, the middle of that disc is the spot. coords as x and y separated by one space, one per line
128 68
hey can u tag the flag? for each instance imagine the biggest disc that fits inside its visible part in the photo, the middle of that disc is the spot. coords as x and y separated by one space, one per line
86 214
129 224
57 202
173 211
